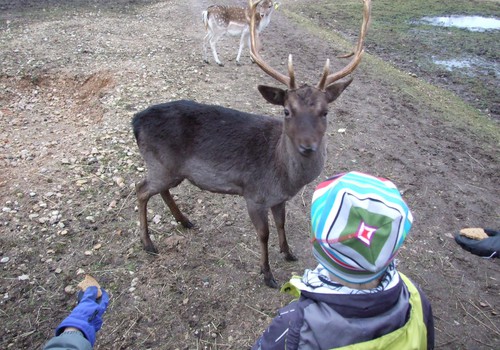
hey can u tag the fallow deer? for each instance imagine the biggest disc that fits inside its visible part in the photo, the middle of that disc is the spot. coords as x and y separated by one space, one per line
263 159
220 20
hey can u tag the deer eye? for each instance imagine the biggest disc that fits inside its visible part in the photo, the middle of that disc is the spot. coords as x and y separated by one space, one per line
287 112
324 115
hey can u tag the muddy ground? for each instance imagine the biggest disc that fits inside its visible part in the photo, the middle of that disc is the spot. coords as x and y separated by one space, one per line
73 74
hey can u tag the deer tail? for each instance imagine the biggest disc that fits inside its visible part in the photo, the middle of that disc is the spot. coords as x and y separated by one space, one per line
204 15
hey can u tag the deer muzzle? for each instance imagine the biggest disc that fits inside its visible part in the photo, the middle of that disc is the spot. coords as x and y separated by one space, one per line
307 149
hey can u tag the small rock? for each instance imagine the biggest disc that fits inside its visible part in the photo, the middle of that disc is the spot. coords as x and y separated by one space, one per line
112 205
4 260
69 290
119 181
81 182
157 219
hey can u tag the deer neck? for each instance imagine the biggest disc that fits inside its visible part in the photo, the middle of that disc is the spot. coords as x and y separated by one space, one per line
300 170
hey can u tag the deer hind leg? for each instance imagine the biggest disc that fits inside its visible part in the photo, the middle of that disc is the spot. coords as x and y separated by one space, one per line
279 218
205 43
212 39
258 215
174 209
144 193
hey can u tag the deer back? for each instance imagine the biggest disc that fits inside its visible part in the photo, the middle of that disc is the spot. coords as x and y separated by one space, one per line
217 148
224 150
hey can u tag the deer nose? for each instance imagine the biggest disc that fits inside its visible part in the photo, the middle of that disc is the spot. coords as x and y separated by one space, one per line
306 150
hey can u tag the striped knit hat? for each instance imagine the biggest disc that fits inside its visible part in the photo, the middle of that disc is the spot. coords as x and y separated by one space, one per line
358 224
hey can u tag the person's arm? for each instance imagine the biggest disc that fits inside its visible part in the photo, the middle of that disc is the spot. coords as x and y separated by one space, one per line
282 333
70 339
78 330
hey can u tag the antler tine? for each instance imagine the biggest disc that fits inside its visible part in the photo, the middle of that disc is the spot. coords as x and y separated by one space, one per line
288 81
328 80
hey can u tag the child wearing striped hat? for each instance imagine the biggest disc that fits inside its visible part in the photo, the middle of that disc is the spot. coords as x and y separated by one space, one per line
355 298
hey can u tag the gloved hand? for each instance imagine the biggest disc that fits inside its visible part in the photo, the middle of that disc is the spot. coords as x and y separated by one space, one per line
487 247
87 315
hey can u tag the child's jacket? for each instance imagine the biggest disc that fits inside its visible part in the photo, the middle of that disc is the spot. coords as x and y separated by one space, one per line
395 315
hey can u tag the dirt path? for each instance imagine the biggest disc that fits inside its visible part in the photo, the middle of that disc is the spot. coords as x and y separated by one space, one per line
73 77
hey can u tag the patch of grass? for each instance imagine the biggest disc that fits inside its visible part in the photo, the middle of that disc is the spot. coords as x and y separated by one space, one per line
396 34
445 104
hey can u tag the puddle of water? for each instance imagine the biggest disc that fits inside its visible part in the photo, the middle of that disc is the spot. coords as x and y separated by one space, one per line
469 66
472 23
453 64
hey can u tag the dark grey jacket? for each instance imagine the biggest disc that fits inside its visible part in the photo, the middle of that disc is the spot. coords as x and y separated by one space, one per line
327 321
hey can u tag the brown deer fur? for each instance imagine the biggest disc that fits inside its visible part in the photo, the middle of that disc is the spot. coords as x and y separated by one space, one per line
263 159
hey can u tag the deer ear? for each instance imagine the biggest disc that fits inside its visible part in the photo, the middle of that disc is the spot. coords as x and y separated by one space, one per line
273 95
333 91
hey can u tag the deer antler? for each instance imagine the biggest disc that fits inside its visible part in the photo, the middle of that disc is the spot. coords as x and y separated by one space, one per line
327 79
288 81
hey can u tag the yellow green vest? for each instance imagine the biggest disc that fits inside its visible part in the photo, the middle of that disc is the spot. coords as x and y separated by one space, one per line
412 336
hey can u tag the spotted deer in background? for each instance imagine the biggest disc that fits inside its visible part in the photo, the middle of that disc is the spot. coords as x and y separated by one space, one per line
220 20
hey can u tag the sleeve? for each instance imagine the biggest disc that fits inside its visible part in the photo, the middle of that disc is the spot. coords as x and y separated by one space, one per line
283 331
428 318
68 341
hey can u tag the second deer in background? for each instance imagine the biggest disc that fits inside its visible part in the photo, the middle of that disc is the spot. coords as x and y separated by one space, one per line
222 20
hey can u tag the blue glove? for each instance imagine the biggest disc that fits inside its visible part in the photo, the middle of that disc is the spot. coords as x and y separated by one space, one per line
87 315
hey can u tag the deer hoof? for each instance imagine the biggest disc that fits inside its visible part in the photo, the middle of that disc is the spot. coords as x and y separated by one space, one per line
220 64
151 249
290 257
187 224
269 279
271 283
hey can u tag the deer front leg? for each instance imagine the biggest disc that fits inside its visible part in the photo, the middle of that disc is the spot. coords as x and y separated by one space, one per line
279 218
243 39
143 195
258 215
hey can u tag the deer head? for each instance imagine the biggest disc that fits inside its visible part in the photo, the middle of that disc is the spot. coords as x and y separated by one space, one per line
302 102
